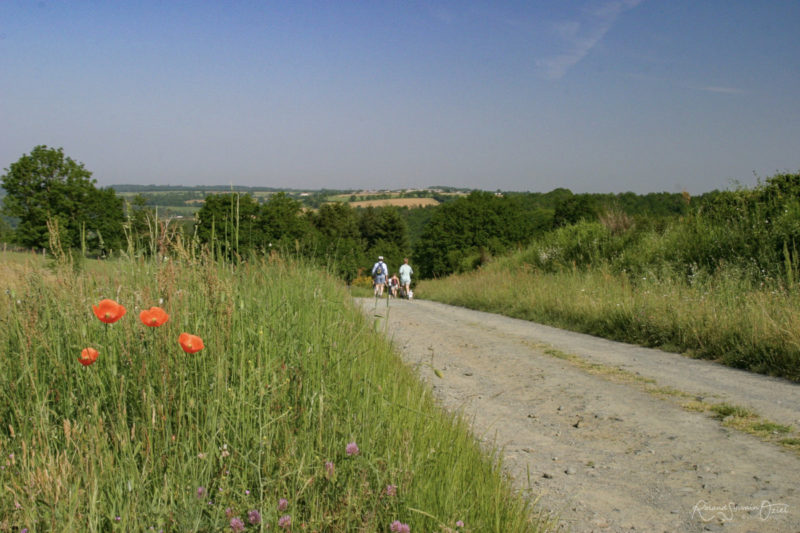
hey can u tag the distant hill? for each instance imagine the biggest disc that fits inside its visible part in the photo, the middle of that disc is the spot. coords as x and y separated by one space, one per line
185 200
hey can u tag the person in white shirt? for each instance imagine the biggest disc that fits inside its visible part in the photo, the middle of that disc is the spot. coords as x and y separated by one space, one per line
405 277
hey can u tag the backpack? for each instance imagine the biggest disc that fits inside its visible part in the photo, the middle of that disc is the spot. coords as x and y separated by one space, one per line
379 269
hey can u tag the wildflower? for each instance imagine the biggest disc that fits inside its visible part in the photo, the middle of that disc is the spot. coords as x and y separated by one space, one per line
228 512
329 469
190 343
459 523
283 503
352 448
237 524
285 521
391 490
117 518
247 492
201 491
153 317
108 311
399 527
88 356
254 517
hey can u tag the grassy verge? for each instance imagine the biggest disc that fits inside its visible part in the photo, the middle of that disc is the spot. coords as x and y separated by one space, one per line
718 318
294 415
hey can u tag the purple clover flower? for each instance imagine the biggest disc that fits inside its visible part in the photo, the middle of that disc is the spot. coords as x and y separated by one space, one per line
399 527
283 503
254 517
285 521
352 448
237 524
391 490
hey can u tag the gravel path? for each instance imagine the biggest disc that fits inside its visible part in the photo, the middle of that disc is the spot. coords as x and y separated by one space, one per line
604 454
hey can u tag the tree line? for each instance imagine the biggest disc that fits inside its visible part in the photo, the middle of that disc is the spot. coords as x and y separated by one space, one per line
46 192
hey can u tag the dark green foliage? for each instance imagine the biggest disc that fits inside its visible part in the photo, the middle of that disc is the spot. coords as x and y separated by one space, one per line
47 186
6 233
574 209
386 234
344 239
338 242
462 233
230 222
282 222
757 229
752 232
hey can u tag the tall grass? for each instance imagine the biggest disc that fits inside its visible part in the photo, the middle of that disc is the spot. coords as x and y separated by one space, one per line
150 437
722 316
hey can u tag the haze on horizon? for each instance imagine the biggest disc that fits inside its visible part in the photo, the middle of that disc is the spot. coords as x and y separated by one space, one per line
594 96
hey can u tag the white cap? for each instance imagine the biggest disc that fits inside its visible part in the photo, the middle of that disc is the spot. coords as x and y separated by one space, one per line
380 258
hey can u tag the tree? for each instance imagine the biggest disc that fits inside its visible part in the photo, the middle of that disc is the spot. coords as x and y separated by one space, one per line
574 209
6 233
230 222
45 185
463 232
386 233
281 221
338 240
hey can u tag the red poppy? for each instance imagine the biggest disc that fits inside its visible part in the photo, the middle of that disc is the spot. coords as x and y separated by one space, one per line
190 343
153 317
108 311
88 356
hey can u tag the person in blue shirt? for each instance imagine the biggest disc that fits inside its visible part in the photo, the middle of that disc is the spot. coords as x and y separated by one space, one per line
379 273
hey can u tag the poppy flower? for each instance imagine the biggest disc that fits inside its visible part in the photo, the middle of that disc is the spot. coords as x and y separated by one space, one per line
153 317
88 356
108 311
190 343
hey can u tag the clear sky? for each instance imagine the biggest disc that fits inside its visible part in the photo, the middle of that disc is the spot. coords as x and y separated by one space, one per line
594 96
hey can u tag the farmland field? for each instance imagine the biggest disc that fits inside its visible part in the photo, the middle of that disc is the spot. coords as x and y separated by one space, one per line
400 202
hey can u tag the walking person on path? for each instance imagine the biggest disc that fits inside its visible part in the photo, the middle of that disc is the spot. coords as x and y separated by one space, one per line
379 273
405 277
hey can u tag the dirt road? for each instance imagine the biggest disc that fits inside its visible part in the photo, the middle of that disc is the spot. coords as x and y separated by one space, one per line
604 453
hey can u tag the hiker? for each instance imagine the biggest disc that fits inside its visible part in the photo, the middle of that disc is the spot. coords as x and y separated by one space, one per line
405 277
379 273
394 284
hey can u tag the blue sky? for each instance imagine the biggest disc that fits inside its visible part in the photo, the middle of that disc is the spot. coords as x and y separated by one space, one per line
594 96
